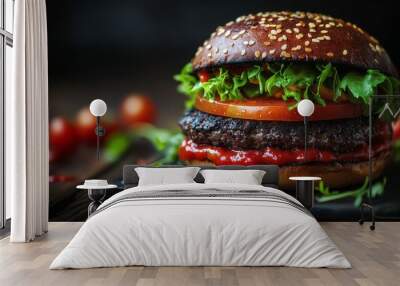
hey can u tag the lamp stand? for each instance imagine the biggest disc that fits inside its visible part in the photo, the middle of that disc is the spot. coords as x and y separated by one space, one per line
305 139
100 131
369 204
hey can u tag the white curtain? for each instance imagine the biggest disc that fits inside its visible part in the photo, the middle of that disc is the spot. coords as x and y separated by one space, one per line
27 124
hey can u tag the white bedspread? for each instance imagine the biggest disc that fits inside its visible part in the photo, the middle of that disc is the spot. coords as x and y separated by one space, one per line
185 231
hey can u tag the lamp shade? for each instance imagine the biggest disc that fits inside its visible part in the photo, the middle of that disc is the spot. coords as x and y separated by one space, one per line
305 108
98 107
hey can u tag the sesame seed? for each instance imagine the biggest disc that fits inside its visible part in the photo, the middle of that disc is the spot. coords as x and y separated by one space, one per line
329 54
263 55
307 43
209 55
282 38
242 32
220 31
272 51
267 43
312 30
283 47
246 43
299 36
344 52
251 42
372 47
227 33
308 50
309 35
296 30
311 25
289 31
273 32
234 37
257 54
324 31
315 40
230 23
327 38
243 52
285 54
298 47
272 37
240 19
225 51
208 47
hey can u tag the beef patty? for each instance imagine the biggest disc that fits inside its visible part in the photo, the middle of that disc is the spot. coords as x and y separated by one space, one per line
339 136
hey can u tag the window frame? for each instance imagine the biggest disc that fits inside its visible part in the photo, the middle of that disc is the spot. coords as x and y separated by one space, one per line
6 39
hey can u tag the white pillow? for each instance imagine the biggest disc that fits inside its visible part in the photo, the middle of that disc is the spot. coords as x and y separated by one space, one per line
164 176
248 177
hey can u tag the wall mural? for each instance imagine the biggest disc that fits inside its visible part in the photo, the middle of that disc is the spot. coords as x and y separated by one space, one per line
232 104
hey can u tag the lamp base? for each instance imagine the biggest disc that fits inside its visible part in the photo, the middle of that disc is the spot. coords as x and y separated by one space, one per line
96 197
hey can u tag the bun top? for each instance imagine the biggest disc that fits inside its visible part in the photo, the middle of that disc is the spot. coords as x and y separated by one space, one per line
297 36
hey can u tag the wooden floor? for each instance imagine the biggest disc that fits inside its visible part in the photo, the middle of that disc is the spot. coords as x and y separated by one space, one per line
375 257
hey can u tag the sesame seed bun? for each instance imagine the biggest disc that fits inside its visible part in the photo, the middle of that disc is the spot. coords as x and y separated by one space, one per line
335 175
286 36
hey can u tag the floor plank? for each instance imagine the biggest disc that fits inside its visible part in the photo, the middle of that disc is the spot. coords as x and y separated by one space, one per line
375 257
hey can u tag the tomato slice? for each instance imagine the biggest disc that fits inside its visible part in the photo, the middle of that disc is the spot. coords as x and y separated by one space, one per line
270 109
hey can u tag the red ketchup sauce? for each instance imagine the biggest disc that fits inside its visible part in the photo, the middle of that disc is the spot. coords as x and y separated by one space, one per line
223 156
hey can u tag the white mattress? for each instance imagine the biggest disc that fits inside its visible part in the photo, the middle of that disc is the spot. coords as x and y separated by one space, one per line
201 231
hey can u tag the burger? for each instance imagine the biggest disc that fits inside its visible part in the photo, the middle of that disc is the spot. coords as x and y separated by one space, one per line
244 84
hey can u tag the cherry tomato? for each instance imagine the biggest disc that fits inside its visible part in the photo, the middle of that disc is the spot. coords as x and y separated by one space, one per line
61 179
137 109
85 125
274 109
62 137
396 130
203 76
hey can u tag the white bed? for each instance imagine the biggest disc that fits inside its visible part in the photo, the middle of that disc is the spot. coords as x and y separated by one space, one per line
236 229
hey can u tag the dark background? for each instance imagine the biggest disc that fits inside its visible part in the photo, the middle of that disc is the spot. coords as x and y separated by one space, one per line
108 48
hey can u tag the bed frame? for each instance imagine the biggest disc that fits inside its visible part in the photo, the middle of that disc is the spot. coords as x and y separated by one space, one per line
271 177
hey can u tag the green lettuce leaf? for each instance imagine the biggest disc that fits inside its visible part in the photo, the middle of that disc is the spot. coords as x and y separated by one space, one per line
187 81
298 81
362 86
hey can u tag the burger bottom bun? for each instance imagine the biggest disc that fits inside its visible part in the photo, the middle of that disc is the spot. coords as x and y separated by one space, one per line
335 175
